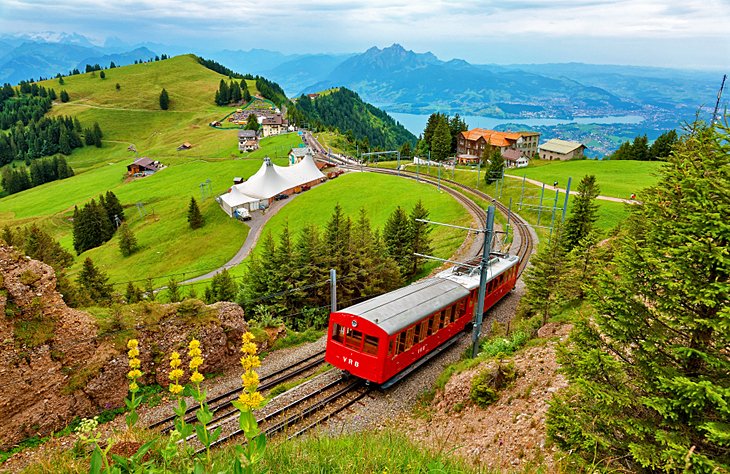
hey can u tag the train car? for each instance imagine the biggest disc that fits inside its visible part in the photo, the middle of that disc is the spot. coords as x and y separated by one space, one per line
384 338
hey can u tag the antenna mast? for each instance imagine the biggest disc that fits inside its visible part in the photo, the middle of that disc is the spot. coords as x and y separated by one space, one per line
719 95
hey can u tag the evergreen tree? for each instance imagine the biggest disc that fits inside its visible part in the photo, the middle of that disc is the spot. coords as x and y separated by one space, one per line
496 166
102 75
433 121
583 213
39 245
164 100
252 122
337 243
405 150
127 240
662 146
93 283
195 218
113 208
7 235
456 126
441 141
173 290
650 370
222 288
397 237
149 290
419 234
640 148
133 294
546 290
246 96
64 96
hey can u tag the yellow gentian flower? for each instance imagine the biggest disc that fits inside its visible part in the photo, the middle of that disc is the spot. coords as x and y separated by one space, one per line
197 377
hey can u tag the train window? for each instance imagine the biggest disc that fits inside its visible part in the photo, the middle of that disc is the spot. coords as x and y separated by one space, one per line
338 332
353 339
424 330
401 343
442 319
391 347
452 314
430 325
371 345
409 337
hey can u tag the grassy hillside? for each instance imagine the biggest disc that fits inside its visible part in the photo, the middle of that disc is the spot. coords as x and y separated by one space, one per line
131 115
616 178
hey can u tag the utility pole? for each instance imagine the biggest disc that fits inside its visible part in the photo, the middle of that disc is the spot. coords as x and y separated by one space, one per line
333 290
719 96
483 269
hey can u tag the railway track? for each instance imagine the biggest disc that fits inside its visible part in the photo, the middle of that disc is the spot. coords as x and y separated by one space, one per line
221 405
314 405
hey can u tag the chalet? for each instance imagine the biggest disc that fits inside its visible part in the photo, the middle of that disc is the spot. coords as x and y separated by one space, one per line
248 140
557 149
274 125
143 166
513 158
185 146
472 143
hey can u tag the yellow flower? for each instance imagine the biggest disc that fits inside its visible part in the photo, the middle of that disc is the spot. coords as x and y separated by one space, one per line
250 362
132 344
248 348
196 362
247 337
134 352
134 363
134 374
193 344
175 363
250 380
197 377
133 387
194 352
175 388
251 400
175 374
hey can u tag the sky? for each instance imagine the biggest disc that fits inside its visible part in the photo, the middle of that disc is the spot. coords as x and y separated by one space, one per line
669 33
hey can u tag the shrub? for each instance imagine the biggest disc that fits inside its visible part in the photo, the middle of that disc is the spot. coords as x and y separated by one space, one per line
486 384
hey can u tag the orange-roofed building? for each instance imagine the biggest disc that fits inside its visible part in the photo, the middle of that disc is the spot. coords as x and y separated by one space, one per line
472 143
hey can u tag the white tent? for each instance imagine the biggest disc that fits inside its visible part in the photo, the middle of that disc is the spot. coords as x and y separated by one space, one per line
267 182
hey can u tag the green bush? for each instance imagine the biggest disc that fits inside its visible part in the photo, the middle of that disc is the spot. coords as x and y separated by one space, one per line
504 345
29 277
485 386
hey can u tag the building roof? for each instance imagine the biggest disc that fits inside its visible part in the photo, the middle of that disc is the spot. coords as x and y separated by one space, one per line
400 308
300 152
247 134
560 146
144 162
511 154
273 120
500 139
271 179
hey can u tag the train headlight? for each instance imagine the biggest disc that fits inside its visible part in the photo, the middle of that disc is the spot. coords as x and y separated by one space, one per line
354 323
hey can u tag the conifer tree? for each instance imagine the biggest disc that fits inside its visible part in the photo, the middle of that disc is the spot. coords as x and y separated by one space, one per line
441 141
64 96
654 353
39 245
419 234
405 150
93 283
222 288
149 289
337 242
496 165
164 100
127 240
113 208
583 213
546 290
195 218
102 75
133 294
173 290
397 237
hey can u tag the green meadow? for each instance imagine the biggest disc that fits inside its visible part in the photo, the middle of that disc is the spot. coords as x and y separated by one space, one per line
131 116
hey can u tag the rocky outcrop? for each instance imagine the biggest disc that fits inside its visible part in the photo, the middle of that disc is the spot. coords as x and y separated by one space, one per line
55 364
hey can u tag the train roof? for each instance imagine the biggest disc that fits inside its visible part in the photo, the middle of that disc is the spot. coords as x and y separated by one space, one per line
398 309
469 278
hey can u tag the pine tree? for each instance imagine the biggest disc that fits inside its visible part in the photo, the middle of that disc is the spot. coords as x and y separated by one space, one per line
252 122
173 290
222 288
405 150
127 240
164 100
650 370
546 290
583 213
93 283
113 208
64 96
195 218
496 166
441 141
419 234
662 146
337 242
149 289
133 294
397 237
102 75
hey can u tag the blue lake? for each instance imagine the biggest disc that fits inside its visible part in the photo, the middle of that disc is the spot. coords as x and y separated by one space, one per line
415 123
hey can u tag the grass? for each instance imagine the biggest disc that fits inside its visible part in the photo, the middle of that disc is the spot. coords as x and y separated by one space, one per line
616 178
379 195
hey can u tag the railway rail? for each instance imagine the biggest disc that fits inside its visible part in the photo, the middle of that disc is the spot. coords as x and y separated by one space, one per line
221 405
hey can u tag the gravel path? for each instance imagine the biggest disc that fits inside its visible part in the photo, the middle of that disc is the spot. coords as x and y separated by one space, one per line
572 193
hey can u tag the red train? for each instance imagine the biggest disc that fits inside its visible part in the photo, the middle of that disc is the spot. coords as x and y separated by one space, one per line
384 338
